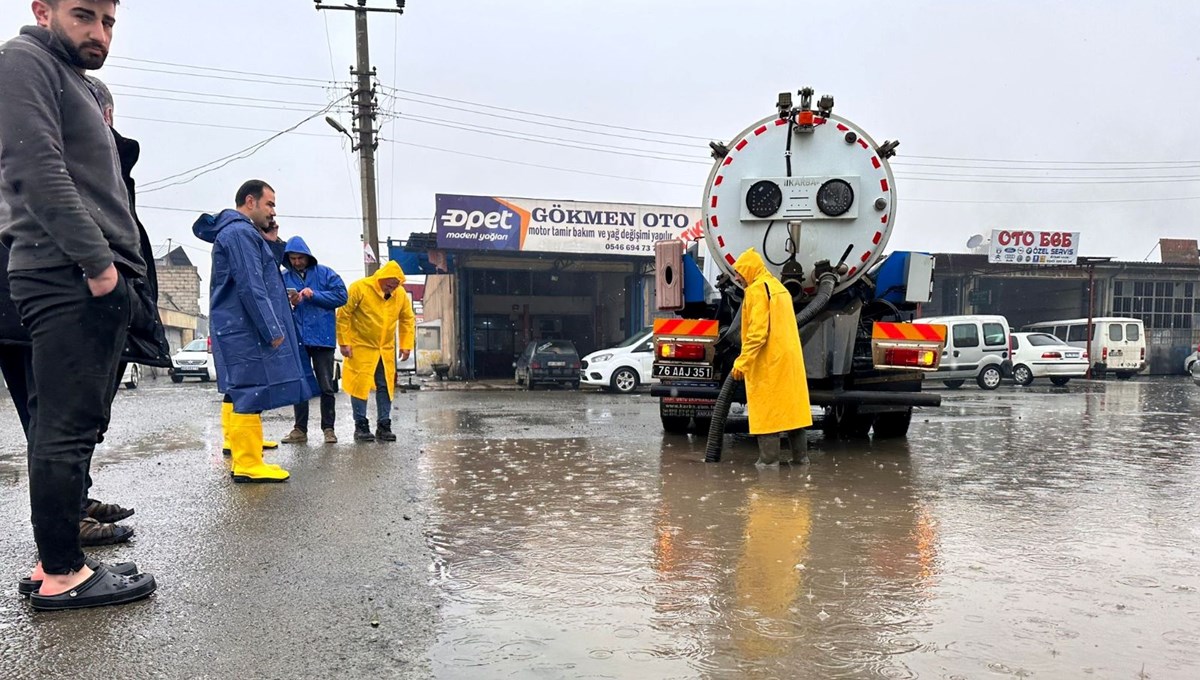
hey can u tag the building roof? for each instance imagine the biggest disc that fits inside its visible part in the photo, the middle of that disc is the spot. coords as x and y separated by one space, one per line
174 257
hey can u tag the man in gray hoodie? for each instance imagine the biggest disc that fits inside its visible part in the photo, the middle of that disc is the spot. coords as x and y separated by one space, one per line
74 254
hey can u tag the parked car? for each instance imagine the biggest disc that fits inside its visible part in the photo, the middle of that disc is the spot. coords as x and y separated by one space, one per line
978 348
623 367
132 376
546 362
1117 346
1041 355
195 360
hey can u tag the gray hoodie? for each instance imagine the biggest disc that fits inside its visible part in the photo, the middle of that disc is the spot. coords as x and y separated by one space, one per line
60 175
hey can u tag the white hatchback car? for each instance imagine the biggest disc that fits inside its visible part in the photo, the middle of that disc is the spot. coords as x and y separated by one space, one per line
1041 355
621 368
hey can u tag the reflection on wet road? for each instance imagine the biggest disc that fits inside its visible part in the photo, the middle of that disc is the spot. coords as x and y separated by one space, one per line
1022 533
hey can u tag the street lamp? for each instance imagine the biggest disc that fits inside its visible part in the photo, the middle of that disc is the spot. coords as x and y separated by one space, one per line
340 128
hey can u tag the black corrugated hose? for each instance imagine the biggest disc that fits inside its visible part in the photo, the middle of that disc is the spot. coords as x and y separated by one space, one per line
716 430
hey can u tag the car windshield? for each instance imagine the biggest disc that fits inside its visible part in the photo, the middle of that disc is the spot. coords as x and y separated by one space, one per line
200 345
633 339
1041 340
555 347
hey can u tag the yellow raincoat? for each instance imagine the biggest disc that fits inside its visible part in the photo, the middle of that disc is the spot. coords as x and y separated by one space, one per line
368 323
771 360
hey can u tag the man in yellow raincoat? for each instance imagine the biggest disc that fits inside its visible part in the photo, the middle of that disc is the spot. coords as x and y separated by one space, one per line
366 334
771 363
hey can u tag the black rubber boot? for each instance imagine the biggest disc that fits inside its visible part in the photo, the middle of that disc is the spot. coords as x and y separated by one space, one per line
362 431
384 432
768 449
798 443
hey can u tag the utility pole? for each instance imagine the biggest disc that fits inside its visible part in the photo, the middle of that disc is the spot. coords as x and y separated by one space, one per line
364 122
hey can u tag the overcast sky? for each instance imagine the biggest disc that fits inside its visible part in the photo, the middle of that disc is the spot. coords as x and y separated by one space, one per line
1104 89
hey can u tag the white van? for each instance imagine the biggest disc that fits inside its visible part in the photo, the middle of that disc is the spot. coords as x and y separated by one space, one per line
1118 344
978 348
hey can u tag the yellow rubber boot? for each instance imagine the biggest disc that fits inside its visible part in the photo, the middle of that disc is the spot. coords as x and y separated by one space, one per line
246 437
226 409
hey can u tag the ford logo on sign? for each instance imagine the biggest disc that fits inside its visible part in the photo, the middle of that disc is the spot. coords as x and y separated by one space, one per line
1010 250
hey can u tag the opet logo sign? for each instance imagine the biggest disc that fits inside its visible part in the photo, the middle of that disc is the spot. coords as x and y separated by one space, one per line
478 223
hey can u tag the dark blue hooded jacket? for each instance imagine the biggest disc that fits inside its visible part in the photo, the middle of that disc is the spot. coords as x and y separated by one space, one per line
248 309
315 317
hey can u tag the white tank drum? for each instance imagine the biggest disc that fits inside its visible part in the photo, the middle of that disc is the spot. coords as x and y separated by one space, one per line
802 167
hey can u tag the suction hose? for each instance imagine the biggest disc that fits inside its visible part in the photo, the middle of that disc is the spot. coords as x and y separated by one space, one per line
716 428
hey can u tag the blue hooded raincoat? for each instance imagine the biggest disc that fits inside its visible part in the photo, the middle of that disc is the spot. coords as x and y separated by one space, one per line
316 317
248 309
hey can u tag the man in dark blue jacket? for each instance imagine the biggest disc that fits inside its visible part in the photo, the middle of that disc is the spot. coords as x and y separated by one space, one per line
315 291
259 366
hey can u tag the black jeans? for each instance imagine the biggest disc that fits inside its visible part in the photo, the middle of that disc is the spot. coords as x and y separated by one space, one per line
322 363
77 344
14 364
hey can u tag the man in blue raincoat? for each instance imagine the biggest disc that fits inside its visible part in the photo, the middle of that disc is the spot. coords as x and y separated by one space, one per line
254 339
315 291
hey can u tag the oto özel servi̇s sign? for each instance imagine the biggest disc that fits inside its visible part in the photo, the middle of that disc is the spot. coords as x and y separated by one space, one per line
1012 246
541 226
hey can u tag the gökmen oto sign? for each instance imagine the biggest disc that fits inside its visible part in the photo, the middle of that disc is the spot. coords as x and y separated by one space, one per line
540 226
1013 246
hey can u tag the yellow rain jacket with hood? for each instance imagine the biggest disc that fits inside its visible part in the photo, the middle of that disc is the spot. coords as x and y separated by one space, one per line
368 323
771 361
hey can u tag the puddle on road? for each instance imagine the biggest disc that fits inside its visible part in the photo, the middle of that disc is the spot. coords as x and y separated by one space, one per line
1031 535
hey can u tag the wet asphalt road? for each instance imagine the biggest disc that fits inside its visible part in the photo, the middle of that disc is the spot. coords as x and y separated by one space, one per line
1040 532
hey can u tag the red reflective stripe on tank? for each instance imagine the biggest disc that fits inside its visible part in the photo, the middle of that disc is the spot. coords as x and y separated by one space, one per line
883 184
883 219
714 200
760 130
878 237
728 160
817 120
717 182
866 256
729 258
843 128
742 144
721 241
875 162
863 143
781 121
713 219
852 270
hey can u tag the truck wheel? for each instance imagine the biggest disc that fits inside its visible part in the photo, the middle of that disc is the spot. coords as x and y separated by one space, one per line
989 377
1124 376
624 380
1059 381
675 424
1022 375
177 378
953 384
845 421
892 425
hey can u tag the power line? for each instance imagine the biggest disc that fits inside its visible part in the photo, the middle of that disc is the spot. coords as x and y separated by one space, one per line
510 161
226 160
492 132
225 127
1077 202
559 118
1032 161
229 104
212 94
214 69
223 78
1007 180
285 216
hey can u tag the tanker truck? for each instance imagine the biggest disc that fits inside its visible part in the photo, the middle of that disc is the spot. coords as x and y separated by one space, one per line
815 196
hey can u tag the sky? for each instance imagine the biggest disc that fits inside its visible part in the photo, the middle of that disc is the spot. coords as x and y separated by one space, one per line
1072 116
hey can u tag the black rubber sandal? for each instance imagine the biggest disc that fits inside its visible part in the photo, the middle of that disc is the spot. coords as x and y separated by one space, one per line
102 589
28 586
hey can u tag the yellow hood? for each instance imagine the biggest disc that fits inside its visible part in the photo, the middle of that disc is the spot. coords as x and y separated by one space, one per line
389 270
750 266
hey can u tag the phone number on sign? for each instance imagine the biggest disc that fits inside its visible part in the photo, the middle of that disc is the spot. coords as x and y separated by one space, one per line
630 247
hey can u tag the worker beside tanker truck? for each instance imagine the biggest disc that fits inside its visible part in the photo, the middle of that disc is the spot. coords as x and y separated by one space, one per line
815 198
771 364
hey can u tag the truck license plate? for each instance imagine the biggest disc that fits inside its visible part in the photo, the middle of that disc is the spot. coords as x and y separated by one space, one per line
674 371
556 364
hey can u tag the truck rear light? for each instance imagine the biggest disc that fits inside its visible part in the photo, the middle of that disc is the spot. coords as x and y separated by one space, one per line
1143 354
1052 355
535 365
687 351
907 356
1103 354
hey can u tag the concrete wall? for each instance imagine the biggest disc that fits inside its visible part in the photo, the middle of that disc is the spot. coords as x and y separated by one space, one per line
440 304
